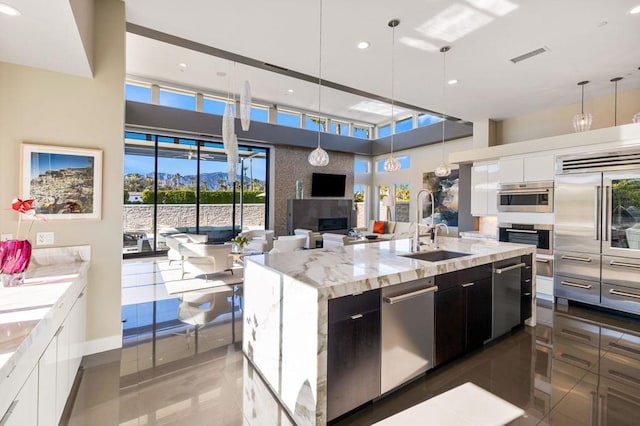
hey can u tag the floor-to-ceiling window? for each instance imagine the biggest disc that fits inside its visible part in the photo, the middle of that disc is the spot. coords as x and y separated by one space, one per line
174 185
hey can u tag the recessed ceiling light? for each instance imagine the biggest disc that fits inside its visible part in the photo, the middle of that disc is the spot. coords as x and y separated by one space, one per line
635 10
363 45
182 65
452 82
8 10
290 91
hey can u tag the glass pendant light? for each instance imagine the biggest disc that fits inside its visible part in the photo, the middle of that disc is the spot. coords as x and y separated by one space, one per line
392 164
319 157
245 105
582 121
443 170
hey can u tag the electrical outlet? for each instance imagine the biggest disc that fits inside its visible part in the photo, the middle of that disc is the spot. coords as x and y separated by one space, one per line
44 238
6 237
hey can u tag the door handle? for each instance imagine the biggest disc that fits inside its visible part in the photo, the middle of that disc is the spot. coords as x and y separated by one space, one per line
410 295
510 268
356 316
605 217
624 294
596 213
468 285
624 264
572 284
576 258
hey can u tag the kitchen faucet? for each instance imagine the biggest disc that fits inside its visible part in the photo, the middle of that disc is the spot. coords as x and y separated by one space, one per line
419 205
436 245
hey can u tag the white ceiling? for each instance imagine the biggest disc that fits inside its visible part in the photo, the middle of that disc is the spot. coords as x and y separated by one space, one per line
286 33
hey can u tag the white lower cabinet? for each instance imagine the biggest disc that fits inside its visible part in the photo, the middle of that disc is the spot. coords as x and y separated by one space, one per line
47 366
24 409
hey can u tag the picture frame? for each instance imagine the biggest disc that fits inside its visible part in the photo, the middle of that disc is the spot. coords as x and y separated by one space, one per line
65 183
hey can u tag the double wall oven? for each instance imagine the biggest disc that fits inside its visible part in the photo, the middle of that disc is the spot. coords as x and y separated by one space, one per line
597 230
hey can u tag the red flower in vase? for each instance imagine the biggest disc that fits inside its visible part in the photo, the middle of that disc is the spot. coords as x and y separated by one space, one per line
25 207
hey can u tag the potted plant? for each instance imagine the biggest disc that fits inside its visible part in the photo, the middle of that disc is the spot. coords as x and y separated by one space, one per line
238 242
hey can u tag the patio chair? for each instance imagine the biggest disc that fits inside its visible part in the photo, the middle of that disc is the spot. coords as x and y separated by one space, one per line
207 259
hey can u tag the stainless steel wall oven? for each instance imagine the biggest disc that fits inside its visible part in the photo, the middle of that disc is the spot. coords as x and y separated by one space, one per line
540 236
535 197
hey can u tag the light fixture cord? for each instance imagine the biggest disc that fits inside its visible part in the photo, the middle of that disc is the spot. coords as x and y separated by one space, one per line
615 104
320 77
444 85
582 107
393 51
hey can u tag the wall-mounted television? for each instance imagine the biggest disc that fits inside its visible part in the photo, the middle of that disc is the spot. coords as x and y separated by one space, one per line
327 185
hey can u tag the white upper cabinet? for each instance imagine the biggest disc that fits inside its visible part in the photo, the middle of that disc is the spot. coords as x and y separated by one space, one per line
484 184
527 169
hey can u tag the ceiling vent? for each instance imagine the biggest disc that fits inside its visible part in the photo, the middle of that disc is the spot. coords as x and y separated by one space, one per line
600 162
529 55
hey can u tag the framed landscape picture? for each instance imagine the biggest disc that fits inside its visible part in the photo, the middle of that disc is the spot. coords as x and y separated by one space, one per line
64 183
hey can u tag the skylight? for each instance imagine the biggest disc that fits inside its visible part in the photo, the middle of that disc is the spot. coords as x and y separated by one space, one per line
376 107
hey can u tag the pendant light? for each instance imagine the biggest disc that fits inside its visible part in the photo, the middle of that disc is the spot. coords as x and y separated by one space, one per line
582 121
392 164
245 105
319 157
443 170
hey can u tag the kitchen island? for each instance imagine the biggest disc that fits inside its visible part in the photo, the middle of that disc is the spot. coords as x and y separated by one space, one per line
287 299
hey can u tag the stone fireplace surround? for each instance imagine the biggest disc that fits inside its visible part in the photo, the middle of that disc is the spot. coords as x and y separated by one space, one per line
320 215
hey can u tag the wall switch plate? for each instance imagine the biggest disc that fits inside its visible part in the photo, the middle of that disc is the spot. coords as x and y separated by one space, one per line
44 238
6 237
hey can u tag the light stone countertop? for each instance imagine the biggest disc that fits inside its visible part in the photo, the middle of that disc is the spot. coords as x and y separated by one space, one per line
26 312
351 269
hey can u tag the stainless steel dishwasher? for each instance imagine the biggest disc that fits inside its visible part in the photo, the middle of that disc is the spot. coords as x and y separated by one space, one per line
506 295
407 331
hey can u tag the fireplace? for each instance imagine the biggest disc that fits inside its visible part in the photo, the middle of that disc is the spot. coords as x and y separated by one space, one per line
333 224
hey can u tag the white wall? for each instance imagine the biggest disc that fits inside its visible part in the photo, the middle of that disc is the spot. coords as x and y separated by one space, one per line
51 108
423 159
559 120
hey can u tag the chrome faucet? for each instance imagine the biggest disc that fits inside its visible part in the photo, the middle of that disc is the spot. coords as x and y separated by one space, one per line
436 245
419 205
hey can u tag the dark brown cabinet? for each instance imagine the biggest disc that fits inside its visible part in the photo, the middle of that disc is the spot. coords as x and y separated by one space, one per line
353 356
463 306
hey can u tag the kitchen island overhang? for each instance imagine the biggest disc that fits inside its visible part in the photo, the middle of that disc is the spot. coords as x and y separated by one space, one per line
285 333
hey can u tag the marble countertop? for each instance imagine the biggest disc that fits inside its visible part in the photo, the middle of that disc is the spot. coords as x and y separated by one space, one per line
24 309
350 269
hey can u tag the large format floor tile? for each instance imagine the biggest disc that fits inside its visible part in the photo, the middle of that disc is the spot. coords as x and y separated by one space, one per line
578 366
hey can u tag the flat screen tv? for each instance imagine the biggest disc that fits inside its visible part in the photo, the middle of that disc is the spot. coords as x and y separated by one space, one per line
327 185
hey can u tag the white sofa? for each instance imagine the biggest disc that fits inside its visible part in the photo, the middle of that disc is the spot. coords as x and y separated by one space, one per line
288 243
395 230
330 240
311 237
174 240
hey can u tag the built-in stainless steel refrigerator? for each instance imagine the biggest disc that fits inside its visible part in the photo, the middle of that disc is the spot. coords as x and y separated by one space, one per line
597 230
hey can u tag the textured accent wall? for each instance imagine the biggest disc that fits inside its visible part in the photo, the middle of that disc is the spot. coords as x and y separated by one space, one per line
290 165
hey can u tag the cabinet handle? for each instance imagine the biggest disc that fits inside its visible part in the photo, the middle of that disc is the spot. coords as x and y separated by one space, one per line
11 371
527 281
526 294
624 377
356 316
12 407
468 285
624 294
510 268
577 259
572 284
624 264
411 295
542 260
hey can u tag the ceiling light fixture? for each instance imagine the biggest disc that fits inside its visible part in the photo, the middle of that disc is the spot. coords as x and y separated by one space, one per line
8 10
290 91
452 82
245 105
363 45
319 157
582 121
615 99
443 169
635 10
392 164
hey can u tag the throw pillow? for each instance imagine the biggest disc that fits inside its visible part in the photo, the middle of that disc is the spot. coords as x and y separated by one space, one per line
379 227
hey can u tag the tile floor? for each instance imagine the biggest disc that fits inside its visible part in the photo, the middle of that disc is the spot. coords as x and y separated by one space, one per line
579 366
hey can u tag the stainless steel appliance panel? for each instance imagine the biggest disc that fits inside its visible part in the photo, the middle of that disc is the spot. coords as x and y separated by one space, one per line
577 212
540 236
622 298
407 331
544 266
577 265
621 210
535 197
576 289
620 270
507 284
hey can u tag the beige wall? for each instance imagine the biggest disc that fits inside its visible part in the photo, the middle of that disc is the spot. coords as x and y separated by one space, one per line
559 120
50 108
291 164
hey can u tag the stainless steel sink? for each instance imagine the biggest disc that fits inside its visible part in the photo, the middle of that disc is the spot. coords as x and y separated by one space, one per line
437 255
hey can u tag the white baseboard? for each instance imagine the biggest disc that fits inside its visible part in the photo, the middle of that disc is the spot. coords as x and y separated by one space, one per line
102 345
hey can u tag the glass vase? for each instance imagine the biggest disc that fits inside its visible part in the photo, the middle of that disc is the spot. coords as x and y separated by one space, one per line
15 256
